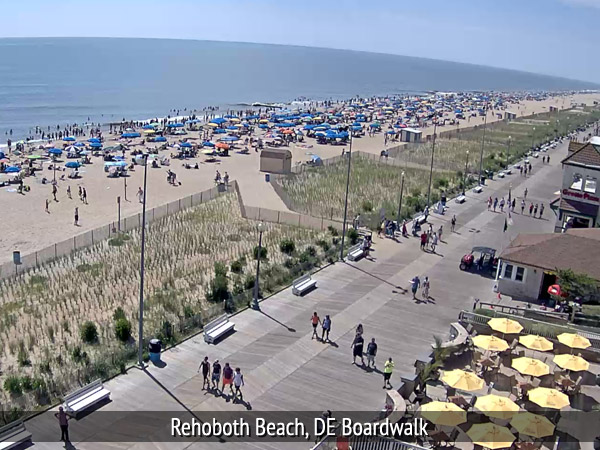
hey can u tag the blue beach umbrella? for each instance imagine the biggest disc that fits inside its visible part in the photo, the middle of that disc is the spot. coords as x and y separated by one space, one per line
93 140
148 127
220 131
160 139
232 128
229 139
73 165
135 134
69 139
95 145
263 126
208 144
185 145
55 151
253 117
79 144
218 120
12 169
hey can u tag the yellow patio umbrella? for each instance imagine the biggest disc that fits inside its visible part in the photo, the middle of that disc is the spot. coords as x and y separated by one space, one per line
149 131
492 343
213 125
530 366
548 398
465 381
504 325
444 413
491 435
573 340
532 425
571 362
234 119
536 342
497 406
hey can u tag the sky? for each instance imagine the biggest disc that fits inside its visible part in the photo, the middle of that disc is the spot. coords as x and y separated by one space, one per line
554 37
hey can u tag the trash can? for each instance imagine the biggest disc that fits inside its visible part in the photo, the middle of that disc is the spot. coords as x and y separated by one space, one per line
154 348
267 177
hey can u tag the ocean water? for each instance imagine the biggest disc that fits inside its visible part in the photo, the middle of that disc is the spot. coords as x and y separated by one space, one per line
49 81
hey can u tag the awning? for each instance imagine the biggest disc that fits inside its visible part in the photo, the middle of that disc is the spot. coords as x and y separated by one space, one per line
577 207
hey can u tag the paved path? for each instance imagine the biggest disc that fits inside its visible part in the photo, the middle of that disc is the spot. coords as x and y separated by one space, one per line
286 370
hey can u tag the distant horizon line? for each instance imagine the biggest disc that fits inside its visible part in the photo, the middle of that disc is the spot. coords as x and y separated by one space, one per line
558 77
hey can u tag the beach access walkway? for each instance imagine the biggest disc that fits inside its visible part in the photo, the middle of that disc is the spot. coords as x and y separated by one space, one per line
286 370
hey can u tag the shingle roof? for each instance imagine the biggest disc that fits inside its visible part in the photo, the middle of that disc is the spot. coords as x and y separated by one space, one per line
587 155
577 250
574 146
586 209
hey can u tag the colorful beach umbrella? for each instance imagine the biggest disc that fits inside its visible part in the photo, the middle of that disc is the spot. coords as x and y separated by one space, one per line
571 362
444 413
465 381
532 425
530 366
536 343
573 340
548 398
505 325
491 436
497 406
491 343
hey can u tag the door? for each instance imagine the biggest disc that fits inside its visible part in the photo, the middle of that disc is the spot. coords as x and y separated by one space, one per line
548 280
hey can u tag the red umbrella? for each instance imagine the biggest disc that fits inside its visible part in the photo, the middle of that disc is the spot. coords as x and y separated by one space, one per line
556 290
222 145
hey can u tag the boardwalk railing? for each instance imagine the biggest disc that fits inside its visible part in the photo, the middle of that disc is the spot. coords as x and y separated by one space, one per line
364 443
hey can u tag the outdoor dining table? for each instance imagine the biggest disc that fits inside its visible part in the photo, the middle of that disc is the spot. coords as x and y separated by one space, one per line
459 400
526 445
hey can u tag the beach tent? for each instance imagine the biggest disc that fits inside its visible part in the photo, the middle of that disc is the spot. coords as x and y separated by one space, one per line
79 144
73 165
116 163
316 160
12 169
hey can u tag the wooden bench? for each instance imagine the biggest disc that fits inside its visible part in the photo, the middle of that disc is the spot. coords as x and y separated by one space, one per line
217 328
478 189
303 284
13 435
356 252
82 398
501 175
421 219
461 198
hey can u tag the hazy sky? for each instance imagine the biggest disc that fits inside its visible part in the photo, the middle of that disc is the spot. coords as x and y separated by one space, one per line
556 37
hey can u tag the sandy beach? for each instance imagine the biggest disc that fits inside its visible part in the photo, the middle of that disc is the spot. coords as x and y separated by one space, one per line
25 225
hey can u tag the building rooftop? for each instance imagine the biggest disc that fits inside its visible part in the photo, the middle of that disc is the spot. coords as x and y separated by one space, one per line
587 155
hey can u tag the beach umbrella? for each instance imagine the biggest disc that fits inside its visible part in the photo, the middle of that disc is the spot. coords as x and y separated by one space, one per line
444 413
73 164
218 120
491 343
12 169
208 144
79 144
207 152
134 134
263 126
95 145
497 406
148 127
504 325
536 343
93 140
185 145
573 340
150 131
34 157
465 381
234 120
571 362
160 139
69 139
530 366
490 435
532 425
175 125
222 145
213 125
548 398
229 138
55 151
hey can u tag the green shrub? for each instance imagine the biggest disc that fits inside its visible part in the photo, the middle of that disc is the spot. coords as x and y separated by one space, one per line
23 358
26 383
367 206
166 333
237 266
119 240
249 282
79 356
287 246
219 286
263 253
220 269
119 314
12 385
188 312
311 251
333 230
323 244
89 332
123 329
353 236
145 356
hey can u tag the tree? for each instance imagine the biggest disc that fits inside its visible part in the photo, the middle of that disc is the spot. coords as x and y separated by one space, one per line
123 329
577 285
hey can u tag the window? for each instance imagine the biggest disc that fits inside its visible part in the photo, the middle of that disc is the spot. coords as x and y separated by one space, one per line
508 270
520 274
577 182
590 185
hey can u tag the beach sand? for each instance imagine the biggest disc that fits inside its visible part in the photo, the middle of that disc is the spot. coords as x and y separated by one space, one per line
25 226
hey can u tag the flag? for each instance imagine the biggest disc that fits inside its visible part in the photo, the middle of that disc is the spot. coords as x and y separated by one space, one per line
505 225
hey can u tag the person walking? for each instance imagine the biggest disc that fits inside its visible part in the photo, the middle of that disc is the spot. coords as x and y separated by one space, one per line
357 348
541 210
84 196
530 208
513 204
315 321
80 198
76 216
439 233
525 193
521 170
47 206
216 374
227 378
495 203
205 367
535 210
415 284
423 240
426 286
522 206
371 353
502 205
434 242
326 328
54 191
388 368
489 203
453 223
69 192
238 382
63 422
140 195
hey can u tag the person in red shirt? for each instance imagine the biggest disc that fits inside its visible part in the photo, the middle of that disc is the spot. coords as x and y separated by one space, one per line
423 240
315 320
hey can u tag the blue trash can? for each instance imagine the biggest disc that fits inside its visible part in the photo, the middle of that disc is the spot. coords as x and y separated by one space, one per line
154 348
267 177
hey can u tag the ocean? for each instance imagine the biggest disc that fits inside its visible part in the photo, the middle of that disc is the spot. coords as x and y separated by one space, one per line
50 81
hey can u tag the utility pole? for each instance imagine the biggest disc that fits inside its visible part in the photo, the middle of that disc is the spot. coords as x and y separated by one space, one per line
465 174
431 167
141 323
119 212
482 145
346 202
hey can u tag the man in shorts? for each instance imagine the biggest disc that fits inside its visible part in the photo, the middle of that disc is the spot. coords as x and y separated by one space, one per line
216 374
205 366
371 353
227 378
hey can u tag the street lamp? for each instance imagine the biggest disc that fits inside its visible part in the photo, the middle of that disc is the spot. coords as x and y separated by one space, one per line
557 128
119 212
255 304
431 167
346 201
465 174
482 145
400 203
141 322
532 136
508 151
